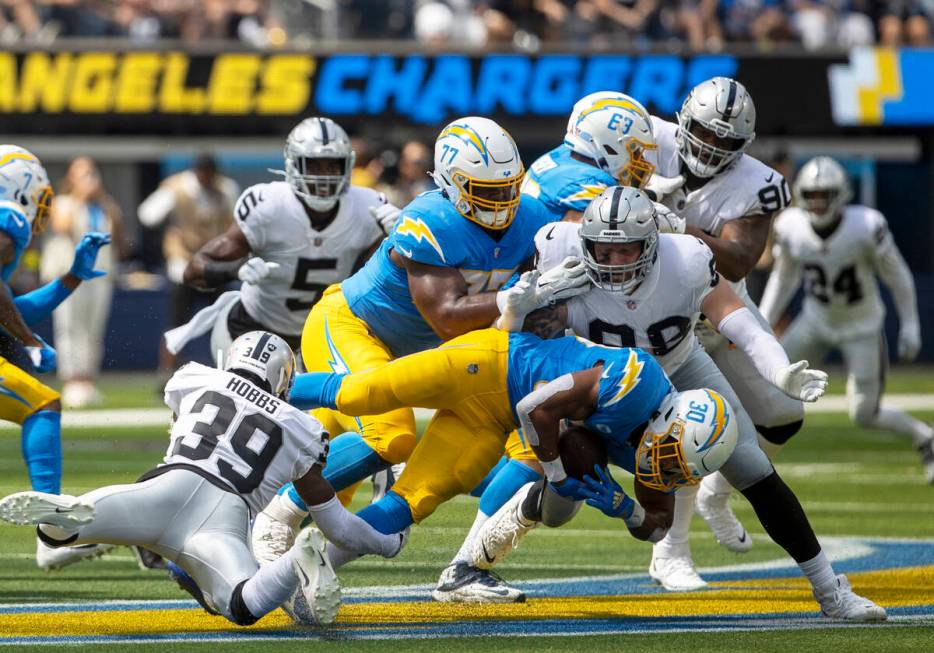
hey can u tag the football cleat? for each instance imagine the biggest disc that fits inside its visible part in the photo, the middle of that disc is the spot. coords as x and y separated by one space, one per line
319 586
272 535
461 583
188 584
42 508
716 511
502 533
676 573
384 480
847 604
52 558
927 460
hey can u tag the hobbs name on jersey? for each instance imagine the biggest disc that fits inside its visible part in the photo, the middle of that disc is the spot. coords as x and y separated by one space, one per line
254 395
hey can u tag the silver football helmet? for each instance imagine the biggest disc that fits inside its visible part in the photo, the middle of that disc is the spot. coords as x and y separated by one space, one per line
312 142
265 356
822 189
620 214
716 124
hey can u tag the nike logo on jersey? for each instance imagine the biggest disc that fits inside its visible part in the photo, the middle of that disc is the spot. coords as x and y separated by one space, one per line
606 371
548 236
405 251
769 178
417 229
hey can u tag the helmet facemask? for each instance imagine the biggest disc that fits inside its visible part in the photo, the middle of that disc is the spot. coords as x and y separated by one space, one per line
490 203
704 158
43 202
637 170
626 277
660 461
319 181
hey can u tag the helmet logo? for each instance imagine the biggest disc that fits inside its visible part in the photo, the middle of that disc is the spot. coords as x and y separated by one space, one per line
466 134
698 413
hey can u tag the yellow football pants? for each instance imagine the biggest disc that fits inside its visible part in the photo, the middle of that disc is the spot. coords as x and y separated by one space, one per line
21 395
518 448
465 380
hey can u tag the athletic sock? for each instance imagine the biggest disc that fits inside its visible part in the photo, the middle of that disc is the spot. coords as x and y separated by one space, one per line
271 585
463 554
512 476
42 450
675 542
820 573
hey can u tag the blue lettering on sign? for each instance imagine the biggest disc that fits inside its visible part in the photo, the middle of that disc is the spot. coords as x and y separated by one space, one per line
657 80
388 81
704 67
332 94
447 91
554 84
606 73
501 83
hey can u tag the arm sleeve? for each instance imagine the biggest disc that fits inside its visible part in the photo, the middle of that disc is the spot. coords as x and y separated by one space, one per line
156 208
350 532
743 329
37 305
781 286
895 273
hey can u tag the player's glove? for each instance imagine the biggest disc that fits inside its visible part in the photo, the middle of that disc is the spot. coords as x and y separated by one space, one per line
606 495
86 255
517 301
256 269
386 215
43 358
909 341
565 280
569 488
669 222
659 187
799 382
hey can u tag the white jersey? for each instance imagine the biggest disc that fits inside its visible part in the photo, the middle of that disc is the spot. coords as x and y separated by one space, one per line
275 224
251 440
659 316
841 293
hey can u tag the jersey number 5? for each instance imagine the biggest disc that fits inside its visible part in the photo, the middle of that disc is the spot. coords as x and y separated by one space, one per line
301 282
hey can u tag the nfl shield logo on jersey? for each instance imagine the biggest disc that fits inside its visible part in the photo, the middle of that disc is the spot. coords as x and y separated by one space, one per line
631 305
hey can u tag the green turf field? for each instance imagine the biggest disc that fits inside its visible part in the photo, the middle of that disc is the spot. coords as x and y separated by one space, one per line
851 482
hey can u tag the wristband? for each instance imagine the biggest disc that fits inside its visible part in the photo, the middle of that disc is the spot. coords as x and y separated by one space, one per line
636 517
554 470
218 273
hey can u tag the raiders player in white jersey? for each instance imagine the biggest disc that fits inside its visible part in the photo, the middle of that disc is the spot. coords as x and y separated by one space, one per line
840 248
650 289
728 199
292 239
234 442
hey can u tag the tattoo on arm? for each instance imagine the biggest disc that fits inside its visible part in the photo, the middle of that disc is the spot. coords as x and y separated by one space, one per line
547 322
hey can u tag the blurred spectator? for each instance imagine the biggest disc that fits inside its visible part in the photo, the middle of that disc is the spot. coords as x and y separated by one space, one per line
18 18
840 23
198 204
454 22
367 167
906 22
758 21
631 20
82 206
415 161
694 21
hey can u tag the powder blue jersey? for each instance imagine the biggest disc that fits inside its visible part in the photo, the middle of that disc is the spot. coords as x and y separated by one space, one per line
632 386
14 224
432 232
563 183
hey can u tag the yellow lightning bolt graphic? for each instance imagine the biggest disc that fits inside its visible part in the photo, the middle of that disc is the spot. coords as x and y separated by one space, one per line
630 378
870 98
614 103
466 134
587 192
13 156
419 231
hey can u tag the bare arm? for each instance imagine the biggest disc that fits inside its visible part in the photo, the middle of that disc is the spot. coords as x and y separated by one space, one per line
313 488
10 318
739 246
366 254
659 511
440 294
218 261
720 302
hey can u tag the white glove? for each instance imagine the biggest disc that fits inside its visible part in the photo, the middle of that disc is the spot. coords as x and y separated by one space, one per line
798 382
662 187
567 279
256 269
516 302
386 215
909 341
669 222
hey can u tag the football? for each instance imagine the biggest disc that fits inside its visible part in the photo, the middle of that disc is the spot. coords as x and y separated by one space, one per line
580 450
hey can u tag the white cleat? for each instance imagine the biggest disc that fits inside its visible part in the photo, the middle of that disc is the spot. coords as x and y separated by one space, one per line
384 480
50 559
716 511
461 583
41 508
319 587
502 533
272 535
847 604
676 573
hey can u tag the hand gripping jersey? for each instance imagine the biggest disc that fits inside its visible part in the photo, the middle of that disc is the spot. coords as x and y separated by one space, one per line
659 316
631 388
841 293
563 183
432 232
251 440
14 224
275 224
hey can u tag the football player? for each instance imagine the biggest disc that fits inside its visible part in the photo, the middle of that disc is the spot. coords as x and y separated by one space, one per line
840 248
234 442
630 263
728 199
290 240
25 197
438 275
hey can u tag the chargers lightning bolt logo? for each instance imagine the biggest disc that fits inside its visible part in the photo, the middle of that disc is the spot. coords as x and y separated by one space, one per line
419 231
629 380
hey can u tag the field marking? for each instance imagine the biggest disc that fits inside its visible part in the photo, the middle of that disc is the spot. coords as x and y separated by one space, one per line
149 417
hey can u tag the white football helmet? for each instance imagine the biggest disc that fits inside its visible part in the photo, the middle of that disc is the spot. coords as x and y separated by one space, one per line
477 165
822 188
619 214
25 186
692 435
315 139
613 130
716 124
265 356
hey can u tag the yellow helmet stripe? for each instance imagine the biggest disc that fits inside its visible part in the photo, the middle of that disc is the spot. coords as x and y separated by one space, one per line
721 417
13 156
617 103
468 135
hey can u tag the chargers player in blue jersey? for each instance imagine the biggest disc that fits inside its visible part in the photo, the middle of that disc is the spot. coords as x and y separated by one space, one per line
486 383
438 275
25 198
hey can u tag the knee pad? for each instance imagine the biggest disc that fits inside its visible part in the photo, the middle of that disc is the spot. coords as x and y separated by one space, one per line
532 504
239 613
780 434
399 448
